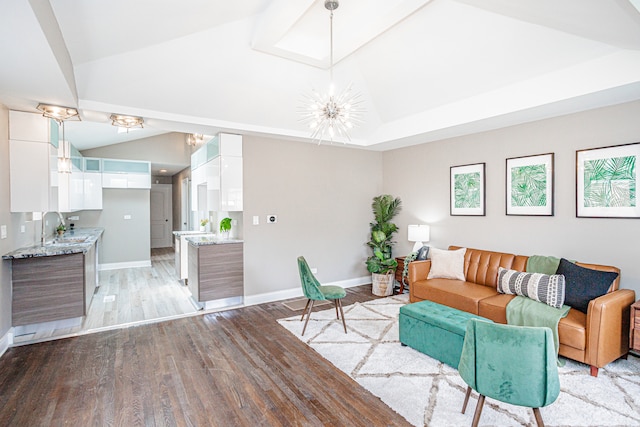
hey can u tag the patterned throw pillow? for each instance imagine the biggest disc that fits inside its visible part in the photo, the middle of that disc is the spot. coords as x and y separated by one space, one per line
545 288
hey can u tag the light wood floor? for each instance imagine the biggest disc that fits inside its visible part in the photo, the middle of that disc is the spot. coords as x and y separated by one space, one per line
233 368
139 294
128 296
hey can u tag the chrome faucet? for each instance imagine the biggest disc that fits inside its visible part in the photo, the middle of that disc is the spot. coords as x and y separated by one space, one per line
44 233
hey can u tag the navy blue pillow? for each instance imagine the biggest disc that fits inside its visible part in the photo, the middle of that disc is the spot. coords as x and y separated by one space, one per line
583 284
423 253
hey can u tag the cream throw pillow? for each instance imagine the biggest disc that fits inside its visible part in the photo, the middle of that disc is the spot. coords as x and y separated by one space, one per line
447 264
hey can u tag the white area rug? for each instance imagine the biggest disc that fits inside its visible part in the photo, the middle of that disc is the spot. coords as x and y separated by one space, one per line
430 393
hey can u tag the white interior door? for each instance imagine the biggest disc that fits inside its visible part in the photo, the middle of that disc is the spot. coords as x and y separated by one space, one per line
161 216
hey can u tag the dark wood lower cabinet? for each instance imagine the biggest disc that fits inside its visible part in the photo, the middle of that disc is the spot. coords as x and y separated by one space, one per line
48 288
216 271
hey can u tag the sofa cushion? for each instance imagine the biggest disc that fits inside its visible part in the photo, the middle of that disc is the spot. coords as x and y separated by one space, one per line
447 264
549 289
584 284
464 296
572 330
495 307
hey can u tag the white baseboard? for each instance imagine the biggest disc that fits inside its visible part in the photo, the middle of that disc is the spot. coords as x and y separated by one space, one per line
297 291
119 265
6 341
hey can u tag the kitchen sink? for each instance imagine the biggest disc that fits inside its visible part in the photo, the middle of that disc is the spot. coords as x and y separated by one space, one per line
65 241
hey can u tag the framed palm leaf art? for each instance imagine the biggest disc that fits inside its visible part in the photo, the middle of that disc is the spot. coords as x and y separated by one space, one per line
468 190
529 183
607 182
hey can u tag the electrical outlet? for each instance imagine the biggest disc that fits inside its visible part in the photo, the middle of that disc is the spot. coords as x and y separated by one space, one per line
256 220
23 229
3 231
314 270
127 217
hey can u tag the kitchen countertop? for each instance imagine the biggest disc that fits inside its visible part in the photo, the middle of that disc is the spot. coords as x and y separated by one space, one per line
180 233
210 240
60 246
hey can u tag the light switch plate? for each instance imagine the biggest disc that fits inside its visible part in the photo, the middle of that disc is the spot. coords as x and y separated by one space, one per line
256 220
3 231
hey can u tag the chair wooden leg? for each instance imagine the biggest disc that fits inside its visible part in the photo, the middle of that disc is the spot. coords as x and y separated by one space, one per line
466 399
593 371
476 415
308 316
305 309
536 413
335 304
344 324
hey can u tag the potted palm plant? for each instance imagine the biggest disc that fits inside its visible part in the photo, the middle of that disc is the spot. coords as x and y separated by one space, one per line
381 264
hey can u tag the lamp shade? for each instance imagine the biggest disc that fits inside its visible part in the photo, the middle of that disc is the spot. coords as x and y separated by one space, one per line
418 233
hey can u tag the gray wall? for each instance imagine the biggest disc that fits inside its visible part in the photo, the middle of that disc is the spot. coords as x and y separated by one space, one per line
420 176
322 197
124 240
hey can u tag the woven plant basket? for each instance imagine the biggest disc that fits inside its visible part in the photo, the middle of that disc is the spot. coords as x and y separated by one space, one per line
382 284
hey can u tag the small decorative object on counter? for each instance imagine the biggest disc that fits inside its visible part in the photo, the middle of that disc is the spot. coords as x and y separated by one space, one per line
203 224
225 227
60 229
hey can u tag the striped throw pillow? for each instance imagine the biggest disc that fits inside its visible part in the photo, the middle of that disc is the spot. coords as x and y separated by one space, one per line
545 288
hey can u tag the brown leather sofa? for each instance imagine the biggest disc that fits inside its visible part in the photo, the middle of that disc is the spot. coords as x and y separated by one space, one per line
596 338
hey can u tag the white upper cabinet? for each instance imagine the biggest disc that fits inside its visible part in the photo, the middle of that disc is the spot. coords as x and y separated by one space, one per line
92 181
33 162
30 127
216 175
126 174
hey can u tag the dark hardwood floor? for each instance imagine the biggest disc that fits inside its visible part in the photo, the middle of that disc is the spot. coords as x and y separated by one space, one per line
232 368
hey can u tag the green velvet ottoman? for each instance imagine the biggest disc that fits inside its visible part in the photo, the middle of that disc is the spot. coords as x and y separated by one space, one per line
435 330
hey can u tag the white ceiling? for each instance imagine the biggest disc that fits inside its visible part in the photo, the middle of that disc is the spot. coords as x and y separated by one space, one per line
427 69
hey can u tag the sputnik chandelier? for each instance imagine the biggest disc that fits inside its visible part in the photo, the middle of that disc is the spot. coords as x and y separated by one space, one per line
329 115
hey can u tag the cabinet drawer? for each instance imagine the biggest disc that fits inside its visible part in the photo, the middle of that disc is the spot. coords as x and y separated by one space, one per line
635 340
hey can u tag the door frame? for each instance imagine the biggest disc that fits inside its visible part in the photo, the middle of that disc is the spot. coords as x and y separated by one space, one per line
168 216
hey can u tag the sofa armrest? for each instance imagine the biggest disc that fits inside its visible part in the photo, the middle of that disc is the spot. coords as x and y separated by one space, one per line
608 327
418 270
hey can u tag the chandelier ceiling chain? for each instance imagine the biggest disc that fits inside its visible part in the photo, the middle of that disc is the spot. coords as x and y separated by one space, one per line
330 115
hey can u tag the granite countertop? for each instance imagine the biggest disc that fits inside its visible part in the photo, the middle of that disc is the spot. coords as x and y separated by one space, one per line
211 240
74 241
189 232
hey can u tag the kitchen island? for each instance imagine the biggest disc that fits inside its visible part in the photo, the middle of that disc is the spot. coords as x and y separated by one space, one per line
55 281
216 271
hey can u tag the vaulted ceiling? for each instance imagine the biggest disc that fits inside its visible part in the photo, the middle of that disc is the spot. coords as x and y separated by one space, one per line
427 69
